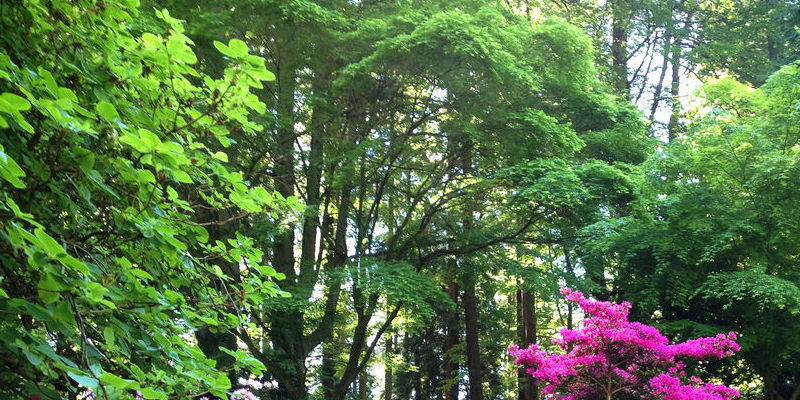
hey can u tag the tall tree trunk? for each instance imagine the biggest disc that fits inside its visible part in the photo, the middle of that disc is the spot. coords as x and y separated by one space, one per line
571 269
286 326
418 376
453 336
773 50
309 269
388 373
526 331
620 15
470 297
795 393
472 333
362 384
338 257
674 92
664 64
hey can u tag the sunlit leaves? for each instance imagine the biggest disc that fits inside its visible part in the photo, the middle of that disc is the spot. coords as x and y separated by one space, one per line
234 49
116 138
10 170
107 111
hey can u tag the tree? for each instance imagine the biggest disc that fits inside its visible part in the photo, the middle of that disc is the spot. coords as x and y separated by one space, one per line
391 121
611 357
711 244
764 30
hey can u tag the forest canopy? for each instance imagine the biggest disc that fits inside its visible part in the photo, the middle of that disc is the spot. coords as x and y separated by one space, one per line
343 199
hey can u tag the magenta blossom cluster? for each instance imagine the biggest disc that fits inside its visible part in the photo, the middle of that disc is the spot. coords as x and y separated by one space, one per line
611 357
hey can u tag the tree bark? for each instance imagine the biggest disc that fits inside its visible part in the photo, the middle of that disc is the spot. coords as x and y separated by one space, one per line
620 15
472 333
664 64
338 257
453 337
470 297
526 331
388 373
286 326
674 92
362 384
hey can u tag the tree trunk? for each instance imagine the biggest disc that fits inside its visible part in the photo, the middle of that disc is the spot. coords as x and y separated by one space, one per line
473 332
388 374
774 394
664 64
453 336
620 15
526 331
418 376
795 393
309 269
286 326
470 298
362 384
338 257
674 92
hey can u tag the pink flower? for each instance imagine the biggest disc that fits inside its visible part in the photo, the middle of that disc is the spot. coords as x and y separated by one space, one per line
610 354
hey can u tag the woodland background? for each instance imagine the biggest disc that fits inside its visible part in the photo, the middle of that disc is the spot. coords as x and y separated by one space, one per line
373 199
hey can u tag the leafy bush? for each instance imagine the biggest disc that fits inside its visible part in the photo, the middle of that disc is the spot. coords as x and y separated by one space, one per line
115 187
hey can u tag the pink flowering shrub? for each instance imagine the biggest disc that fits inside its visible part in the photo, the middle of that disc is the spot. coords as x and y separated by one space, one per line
612 358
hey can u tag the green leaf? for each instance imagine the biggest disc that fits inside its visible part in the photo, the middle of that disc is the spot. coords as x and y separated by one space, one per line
221 156
175 45
262 74
9 102
238 48
141 274
149 393
108 334
49 289
146 176
48 244
180 51
174 297
63 311
73 263
235 48
150 39
136 142
95 291
181 176
32 358
221 383
87 162
150 138
107 111
113 380
85 381
10 170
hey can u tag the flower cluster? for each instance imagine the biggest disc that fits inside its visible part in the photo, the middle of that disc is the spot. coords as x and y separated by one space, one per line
247 386
610 355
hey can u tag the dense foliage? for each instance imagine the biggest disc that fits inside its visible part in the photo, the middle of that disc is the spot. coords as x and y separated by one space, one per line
338 199
112 188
